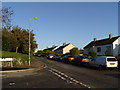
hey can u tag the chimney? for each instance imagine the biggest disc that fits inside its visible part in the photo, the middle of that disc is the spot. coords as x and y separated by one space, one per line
53 45
110 36
95 39
64 44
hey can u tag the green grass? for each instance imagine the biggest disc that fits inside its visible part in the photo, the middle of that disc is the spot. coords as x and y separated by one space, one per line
18 57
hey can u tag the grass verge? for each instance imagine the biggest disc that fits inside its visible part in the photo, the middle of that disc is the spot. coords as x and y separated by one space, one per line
19 59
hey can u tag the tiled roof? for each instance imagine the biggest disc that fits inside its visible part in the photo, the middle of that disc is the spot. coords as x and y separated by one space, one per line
102 42
61 47
50 48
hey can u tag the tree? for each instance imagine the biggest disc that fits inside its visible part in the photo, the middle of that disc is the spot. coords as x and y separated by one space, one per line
81 51
6 17
15 38
92 53
75 52
8 41
108 53
22 37
47 51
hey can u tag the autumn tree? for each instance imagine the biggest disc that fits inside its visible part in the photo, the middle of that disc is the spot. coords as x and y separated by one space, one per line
75 51
22 37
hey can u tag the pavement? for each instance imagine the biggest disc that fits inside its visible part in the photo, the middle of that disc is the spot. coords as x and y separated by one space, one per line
35 65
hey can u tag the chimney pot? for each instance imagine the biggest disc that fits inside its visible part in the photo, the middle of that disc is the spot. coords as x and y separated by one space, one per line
64 44
95 39
110 36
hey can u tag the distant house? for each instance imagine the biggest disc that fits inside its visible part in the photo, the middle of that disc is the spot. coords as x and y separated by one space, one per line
65 48
51 48
103 46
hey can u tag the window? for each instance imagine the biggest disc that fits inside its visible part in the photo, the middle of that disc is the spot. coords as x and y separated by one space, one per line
99 49
108 48
111 59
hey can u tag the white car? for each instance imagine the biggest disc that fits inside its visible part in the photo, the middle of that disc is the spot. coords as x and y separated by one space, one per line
104 62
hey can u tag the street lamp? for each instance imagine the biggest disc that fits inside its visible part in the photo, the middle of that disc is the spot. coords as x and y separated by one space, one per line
30 20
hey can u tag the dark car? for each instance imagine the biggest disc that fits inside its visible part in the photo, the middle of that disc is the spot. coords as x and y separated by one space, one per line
63 57
37 54
81 60
56 57
68 58
43 55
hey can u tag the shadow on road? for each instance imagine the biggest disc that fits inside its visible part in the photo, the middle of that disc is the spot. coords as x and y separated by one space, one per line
10 68
114 75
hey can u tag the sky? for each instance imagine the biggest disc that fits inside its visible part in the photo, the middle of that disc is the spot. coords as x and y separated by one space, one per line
66 22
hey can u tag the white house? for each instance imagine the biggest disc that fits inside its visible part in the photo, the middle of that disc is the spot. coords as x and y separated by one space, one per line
65 48
111 45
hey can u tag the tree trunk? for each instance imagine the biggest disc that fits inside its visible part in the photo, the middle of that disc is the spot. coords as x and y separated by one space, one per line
16 49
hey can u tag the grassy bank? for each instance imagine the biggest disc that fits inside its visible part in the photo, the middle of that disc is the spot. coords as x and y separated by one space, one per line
19 59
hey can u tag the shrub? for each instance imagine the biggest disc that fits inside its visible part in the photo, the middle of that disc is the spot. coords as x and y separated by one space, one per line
19 59
108 53
92 53
75 52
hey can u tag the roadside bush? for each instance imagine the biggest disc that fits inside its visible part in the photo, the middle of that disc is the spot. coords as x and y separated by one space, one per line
108 53
92 53
75 52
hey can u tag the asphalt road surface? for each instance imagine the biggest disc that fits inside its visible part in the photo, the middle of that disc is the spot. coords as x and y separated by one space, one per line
61 75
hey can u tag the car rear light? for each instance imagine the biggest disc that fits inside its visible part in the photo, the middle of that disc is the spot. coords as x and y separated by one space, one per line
68 58
85 60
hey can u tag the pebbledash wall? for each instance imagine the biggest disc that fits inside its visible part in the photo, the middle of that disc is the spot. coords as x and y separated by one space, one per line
116 47
103 49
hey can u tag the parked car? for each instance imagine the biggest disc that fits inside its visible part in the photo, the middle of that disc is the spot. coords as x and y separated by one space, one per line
69 59
63 58
43 55
37 54
104 62
81 60
56 58
50 56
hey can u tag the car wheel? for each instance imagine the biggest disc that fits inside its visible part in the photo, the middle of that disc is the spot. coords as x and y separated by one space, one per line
100 67
88 65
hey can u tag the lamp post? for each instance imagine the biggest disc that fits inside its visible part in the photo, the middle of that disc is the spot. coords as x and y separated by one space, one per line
30 20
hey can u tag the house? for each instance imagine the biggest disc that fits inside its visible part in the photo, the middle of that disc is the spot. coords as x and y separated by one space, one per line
65 48
109 45
51 48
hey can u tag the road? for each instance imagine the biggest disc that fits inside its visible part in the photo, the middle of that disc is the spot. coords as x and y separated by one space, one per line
61 75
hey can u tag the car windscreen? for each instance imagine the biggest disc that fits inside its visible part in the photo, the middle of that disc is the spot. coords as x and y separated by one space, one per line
111 59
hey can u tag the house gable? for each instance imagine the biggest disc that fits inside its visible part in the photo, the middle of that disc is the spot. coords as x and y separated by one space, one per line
105 45
68 48
116 47
64 48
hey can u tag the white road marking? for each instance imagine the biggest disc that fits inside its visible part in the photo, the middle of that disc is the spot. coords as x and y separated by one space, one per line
65 77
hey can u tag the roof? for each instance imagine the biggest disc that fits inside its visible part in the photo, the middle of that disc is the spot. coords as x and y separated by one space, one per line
61 47
51 48
102 42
